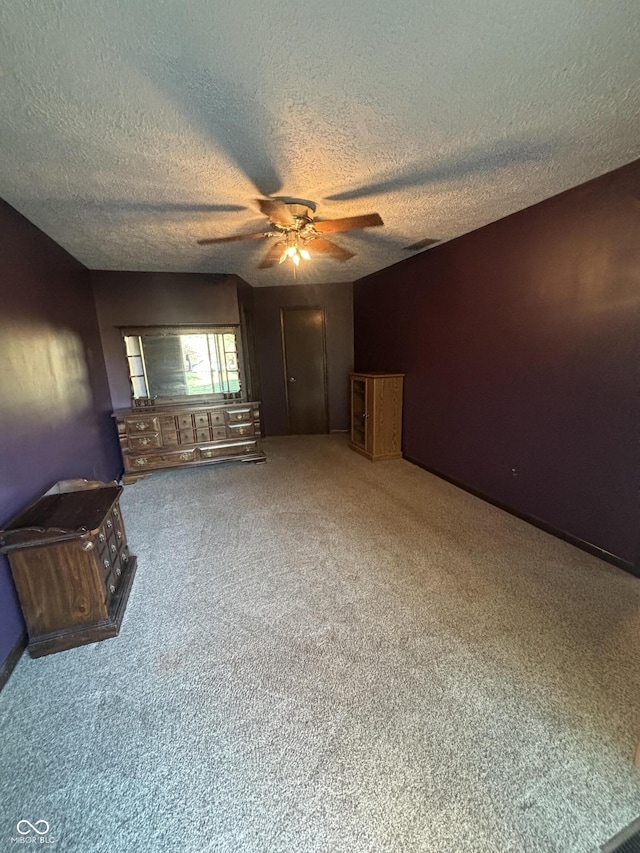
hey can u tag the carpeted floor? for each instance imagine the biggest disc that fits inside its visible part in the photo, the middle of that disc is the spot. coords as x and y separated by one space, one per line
325 654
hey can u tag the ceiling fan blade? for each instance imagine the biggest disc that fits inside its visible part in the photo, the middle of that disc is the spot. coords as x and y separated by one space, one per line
421 244
233 239
349 223
327 247
272 256
276 210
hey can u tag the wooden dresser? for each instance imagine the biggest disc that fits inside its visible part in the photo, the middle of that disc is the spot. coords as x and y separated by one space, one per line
158 438
71 565
376 415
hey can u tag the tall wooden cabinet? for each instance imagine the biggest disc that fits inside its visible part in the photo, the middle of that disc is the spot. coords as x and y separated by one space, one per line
376 415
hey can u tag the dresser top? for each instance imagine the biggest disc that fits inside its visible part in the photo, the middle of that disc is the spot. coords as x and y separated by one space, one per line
177 408
71 511
375 374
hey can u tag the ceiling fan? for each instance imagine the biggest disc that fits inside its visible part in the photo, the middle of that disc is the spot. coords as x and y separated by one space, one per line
294 229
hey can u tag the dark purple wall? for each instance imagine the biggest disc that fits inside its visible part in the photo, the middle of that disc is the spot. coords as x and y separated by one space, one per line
156 299
337 301
55 408
521 345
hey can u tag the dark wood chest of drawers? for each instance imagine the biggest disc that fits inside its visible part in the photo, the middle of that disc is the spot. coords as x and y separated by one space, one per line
159 438
71 565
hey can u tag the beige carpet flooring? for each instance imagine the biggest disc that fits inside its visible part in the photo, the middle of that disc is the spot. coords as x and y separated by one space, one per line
325 654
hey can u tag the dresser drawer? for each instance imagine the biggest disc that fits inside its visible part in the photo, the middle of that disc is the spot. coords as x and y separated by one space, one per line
187 436
218 432
118 530
106 564
203 434
217 418
110 585
235 430
184 422
142 423
201 420
160 460
169 438
236 449
236 414
113 551
141 442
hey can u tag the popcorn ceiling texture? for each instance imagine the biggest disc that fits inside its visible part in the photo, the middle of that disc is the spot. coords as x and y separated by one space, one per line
130 130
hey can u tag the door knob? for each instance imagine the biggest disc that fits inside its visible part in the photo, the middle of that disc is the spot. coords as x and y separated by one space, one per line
292 379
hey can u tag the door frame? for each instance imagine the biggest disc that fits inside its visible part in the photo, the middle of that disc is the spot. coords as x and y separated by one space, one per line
319 308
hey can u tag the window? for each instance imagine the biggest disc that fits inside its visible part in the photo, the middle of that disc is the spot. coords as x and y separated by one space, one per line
176 362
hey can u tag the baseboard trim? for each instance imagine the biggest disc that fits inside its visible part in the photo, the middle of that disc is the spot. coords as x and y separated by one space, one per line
536 522
12 659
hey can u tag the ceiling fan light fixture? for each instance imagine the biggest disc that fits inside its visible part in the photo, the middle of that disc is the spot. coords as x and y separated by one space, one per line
292 221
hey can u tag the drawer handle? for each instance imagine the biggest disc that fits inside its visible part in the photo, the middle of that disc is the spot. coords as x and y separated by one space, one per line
185 457
112 588
141 425
141 460
144 441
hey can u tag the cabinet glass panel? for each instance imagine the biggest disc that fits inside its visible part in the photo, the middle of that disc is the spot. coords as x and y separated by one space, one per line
359 410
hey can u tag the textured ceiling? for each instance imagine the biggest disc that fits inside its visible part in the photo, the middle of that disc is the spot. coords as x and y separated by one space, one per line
128 130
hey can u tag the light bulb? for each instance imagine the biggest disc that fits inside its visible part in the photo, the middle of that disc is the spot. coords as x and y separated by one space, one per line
290 252
296 259
305 254
283 257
